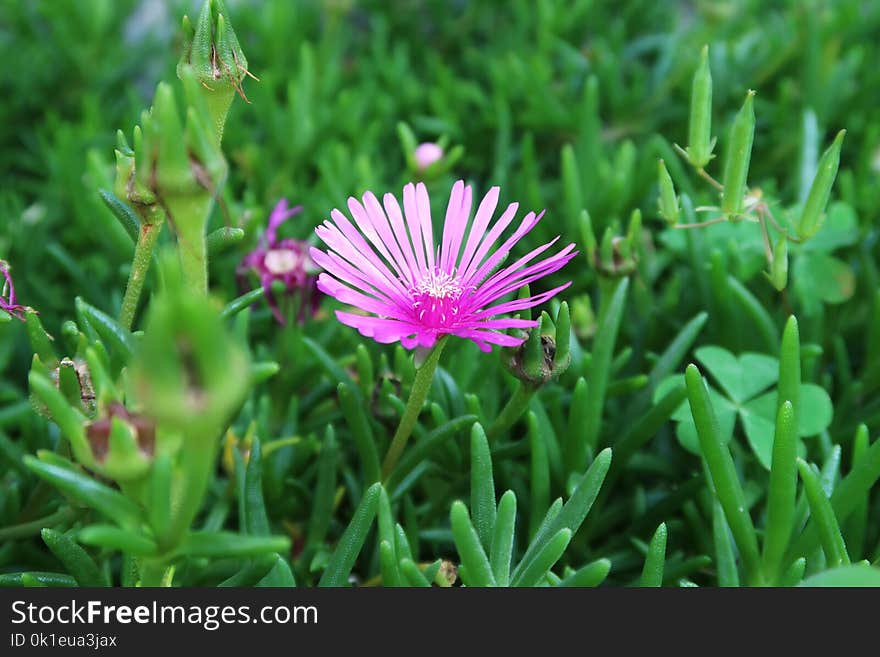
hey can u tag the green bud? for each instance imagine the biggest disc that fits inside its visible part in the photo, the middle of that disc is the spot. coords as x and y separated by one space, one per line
587 235
545 353
700 142
189 373
212 51
778 274
533 358
617 255
668 201
172 174
41 341
562 357
583 317
739 153
813 213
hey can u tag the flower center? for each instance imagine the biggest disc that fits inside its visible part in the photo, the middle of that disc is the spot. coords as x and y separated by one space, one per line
281 261
436 299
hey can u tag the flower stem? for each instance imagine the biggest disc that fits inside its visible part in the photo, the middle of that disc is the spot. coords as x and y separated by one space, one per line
421 386
152 573
140 265
189 215
514 409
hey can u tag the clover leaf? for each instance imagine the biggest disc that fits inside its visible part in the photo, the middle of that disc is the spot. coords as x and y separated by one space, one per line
742 393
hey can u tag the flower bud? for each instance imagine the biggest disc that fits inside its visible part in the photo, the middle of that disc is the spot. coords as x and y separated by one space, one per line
668 201
739 154
700 142
212 51
778 274
616 255
545 353
813 213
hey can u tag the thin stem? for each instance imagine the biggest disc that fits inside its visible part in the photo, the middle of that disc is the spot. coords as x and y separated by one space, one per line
702 224
768 247
703 174
417 396
514 409
140 265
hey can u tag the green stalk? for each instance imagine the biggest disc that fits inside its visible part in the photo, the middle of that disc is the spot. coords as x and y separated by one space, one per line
418 394
512 411
140 265
189 216
152 573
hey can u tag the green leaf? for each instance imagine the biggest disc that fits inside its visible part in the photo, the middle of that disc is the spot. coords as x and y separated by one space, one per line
230 544
113 538
482 486
590 575
502 540
74 557
36 579
413 575
820 276
652 572
721 467
725 560
540 473
353 409
741 378
544 559
600 372
846 576
256 520
477 571
89 492
240 303
325 490
823 515
352 540
573 513
782 491
111 331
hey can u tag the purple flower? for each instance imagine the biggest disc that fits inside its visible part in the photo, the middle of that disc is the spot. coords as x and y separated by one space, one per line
7 294
386 264
285 260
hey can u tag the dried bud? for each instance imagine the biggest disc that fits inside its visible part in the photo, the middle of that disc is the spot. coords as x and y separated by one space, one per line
545 353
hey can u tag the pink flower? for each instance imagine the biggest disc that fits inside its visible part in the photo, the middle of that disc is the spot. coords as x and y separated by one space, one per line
386 264
426 154
285 260
7 294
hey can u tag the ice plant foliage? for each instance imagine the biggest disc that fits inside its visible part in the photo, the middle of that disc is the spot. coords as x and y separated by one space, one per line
386 265
7 294
286 260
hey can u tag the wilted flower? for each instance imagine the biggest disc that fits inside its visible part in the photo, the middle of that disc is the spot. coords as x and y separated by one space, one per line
284 260
7 294
426 154
386 265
